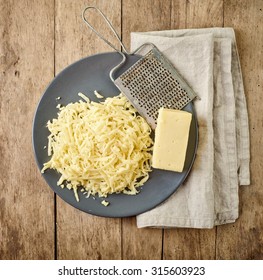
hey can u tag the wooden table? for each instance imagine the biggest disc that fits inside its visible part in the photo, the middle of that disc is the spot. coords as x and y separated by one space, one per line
41 37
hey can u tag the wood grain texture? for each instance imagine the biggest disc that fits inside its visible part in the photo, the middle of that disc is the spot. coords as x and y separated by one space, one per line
26 66
244 239
73 39
82 236
189 244
178 14
147 15
207 13
140 244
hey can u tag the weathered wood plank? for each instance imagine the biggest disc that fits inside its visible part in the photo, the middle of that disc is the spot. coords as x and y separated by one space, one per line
193 243
26 66
145 15
204 13
189 244
79 235
178 14
142 16
244 239
74 40
140 244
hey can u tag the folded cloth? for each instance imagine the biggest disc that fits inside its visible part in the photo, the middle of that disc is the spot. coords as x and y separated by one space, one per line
208 60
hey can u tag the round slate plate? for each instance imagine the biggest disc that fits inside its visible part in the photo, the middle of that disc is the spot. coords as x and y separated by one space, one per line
87 75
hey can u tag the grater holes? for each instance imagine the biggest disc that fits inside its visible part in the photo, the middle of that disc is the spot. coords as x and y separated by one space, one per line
151 86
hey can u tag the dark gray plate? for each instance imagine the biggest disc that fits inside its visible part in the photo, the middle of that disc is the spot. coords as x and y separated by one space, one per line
87 75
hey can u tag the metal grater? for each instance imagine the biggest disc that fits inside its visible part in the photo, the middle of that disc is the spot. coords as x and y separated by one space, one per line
151 83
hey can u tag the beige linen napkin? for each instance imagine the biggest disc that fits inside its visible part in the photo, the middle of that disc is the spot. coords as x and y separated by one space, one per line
208 60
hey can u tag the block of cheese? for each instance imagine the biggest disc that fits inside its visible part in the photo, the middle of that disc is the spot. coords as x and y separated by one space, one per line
171 139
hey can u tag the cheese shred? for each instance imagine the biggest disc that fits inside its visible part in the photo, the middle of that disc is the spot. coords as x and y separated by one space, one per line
102 147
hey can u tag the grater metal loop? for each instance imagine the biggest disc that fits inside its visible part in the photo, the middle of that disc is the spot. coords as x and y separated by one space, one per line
110 26
150 83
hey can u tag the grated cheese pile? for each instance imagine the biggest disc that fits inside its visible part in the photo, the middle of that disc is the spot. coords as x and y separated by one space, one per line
102 147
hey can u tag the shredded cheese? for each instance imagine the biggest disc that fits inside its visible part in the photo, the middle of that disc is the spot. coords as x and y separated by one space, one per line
83 96
102 147
105 203
98 95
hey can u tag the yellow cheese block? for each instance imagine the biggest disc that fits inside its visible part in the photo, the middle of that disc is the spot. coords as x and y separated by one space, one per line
171 139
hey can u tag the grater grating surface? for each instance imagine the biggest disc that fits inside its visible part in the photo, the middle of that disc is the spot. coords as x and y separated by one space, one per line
152 83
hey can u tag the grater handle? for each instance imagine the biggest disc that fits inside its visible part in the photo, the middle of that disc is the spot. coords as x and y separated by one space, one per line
114 69
99 34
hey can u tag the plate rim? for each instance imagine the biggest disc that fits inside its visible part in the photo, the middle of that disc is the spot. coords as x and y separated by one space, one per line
56 191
